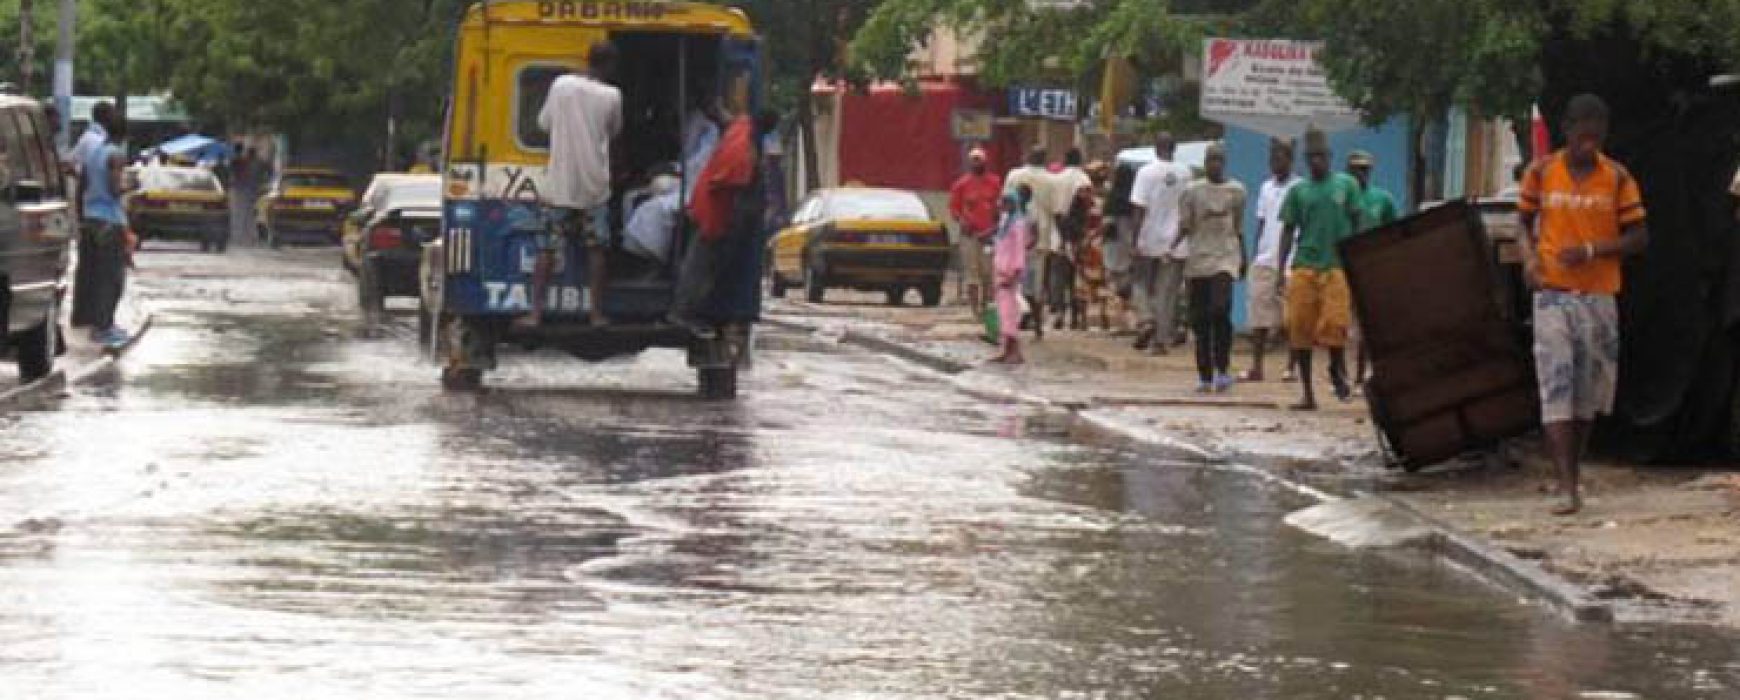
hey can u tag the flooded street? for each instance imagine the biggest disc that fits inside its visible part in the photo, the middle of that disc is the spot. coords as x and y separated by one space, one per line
263 501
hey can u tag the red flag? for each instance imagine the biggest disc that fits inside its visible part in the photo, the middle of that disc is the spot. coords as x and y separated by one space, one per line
1540 140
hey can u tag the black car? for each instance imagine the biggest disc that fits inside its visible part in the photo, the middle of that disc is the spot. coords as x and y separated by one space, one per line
36 232
384 237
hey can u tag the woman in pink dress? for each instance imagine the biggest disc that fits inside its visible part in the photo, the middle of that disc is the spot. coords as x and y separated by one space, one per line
1009 265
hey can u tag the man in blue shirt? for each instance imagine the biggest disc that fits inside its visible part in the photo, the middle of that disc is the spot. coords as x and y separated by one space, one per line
102 233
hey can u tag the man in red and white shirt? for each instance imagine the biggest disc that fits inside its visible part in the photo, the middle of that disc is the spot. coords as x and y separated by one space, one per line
973 206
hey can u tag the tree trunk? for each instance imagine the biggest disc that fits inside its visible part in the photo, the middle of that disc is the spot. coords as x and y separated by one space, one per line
806 118
26 47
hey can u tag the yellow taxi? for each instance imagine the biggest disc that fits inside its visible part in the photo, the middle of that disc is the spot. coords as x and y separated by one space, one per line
305 203
172 203
862 238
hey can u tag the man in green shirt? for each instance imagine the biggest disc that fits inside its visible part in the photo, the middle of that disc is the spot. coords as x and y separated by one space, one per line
1376 208
1318 213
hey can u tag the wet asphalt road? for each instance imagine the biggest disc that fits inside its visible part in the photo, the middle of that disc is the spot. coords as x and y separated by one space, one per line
262 501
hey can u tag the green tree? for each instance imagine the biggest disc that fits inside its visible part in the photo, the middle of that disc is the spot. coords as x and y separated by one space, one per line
806 40
315 69
1060 43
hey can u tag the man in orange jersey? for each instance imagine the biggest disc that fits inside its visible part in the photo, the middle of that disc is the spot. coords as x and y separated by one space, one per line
1583 213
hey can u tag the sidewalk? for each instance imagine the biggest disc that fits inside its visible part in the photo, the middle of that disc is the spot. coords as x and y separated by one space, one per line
1654 543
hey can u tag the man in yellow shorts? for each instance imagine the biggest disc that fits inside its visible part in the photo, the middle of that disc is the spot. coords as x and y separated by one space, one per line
1318 213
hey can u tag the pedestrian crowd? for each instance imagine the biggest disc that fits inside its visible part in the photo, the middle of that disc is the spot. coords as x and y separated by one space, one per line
1147 242
1155 251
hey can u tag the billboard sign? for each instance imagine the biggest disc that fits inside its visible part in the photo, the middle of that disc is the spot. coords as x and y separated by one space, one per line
1270 85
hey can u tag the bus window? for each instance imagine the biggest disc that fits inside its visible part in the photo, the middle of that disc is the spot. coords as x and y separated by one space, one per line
531 87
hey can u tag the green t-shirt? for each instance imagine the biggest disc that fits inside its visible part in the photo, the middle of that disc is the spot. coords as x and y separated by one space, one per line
1376 208
1324 212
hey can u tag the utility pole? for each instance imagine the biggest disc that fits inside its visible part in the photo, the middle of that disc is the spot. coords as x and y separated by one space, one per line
26 46
63 71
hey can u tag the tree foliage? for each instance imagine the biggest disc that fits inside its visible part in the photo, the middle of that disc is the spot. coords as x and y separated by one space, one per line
1024 40
1422 56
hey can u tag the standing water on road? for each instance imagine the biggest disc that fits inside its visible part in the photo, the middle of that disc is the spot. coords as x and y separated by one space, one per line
259 504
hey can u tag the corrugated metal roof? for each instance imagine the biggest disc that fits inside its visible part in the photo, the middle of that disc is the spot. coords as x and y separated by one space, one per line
140 109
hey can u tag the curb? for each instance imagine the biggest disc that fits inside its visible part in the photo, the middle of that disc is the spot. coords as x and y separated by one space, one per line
1484 560
106 360
1507 570
61 378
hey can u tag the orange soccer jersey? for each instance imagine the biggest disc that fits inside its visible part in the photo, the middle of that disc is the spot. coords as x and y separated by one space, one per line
1572 213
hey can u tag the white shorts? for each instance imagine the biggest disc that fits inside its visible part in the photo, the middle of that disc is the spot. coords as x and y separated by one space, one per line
1265 307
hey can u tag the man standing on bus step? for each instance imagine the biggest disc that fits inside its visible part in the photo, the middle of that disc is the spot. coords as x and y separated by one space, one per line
1319 213
973 205
1590 216
582 114
729 212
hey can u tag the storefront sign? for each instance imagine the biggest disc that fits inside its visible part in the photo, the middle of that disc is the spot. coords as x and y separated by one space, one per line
1255 80
1042 103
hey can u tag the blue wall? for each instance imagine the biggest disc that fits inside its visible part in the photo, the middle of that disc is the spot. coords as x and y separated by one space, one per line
1248 162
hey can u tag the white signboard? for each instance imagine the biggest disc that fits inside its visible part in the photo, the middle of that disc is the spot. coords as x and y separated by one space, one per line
1272 86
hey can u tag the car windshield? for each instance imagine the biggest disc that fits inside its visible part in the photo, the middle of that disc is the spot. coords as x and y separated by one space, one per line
178 180
877 204
414 195
320 180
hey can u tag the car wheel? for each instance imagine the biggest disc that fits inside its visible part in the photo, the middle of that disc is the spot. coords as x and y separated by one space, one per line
776 285
370 296
815 288
931 293
459 379
37 347
717 383
896 296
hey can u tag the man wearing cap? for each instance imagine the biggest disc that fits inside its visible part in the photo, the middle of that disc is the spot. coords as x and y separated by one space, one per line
1376 208
1318 213
973 205
1266 315
1158 270
1583 214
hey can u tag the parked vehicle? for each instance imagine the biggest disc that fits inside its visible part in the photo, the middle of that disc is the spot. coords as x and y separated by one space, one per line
1191 153
178 204
304 203
384 237
862 238
36 233
477 279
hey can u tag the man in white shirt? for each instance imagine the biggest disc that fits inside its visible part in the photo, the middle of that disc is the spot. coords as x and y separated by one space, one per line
1266 312
1158 269
1068 184
1043 213
94 137
583 114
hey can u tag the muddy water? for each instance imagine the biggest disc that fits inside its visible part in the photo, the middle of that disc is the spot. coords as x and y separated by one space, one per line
259 503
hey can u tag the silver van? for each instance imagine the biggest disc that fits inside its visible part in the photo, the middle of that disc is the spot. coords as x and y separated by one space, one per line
37 225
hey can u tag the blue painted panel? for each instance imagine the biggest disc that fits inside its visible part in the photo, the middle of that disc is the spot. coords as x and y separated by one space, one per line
1248 162
504 237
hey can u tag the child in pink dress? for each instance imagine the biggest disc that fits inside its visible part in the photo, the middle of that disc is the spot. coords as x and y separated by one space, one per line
1009 266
